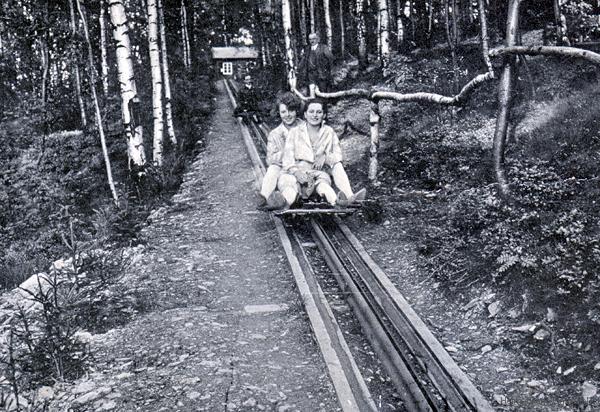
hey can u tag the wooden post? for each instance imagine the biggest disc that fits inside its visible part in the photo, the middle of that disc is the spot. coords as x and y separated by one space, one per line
374 122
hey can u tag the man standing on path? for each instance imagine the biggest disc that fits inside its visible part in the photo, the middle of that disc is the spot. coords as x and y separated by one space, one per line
315 65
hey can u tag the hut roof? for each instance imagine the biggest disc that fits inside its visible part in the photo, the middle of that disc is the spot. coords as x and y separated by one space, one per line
230 53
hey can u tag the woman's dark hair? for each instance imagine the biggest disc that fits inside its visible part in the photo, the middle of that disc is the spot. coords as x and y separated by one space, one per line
315 100
291 102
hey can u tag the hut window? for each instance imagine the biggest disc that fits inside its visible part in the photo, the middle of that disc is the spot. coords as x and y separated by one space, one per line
227 68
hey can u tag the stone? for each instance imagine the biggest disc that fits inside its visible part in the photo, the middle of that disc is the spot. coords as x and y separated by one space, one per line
486 349
494 308
528 327
541 334
105 405
88 397
500 399
84 387
45 393
250 403
550 315
588 390
257 309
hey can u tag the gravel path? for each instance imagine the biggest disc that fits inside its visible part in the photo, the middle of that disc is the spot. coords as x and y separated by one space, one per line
226 329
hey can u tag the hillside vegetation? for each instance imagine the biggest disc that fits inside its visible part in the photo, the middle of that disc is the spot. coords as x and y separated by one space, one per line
538 252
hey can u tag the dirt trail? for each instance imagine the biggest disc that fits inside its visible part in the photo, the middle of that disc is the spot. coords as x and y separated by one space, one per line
227 330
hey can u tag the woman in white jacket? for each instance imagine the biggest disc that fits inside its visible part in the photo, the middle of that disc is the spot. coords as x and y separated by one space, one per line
311 157
288 106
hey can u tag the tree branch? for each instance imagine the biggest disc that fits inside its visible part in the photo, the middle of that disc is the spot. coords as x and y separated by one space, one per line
563 51
456 100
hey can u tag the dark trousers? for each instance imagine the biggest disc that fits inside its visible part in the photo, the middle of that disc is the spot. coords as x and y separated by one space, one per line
322 84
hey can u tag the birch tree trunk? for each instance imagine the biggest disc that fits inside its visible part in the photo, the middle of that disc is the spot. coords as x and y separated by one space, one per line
361 39
327 17
311 5
384 35
157 104
103 50
430 18
399 23
378 34
165 74
92 74
134 131
289 51
187 61
45 57
374 123
77 79
505 96
450 36
303 32
342 30
456 33
485 48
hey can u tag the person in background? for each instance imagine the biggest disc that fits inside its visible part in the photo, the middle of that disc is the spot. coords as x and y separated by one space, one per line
288 107
247 100
315 65
312 156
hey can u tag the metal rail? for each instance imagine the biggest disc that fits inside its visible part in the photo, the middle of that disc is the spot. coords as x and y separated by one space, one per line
427 378
404 336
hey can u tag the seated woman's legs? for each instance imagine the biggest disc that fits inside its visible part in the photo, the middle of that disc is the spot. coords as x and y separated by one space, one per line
269 182
288 186
326 191
340 178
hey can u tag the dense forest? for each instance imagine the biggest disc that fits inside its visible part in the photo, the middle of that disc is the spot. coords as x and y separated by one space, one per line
102 107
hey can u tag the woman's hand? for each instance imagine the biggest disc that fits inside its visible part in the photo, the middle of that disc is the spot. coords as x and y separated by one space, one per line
319 162
301 177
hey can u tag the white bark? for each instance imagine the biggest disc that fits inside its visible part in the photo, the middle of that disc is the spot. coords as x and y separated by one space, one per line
289 51
92 74
165 73
399 22
378 34
303 33
384 34
103 51
311 5
485 48
134 131
187 62
76 70
374 123
328 30
342 31
45 57
157 106
360 34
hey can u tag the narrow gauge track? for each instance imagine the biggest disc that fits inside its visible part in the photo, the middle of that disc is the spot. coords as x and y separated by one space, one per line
426 377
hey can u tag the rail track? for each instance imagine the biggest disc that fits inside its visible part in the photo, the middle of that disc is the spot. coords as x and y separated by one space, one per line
423 373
